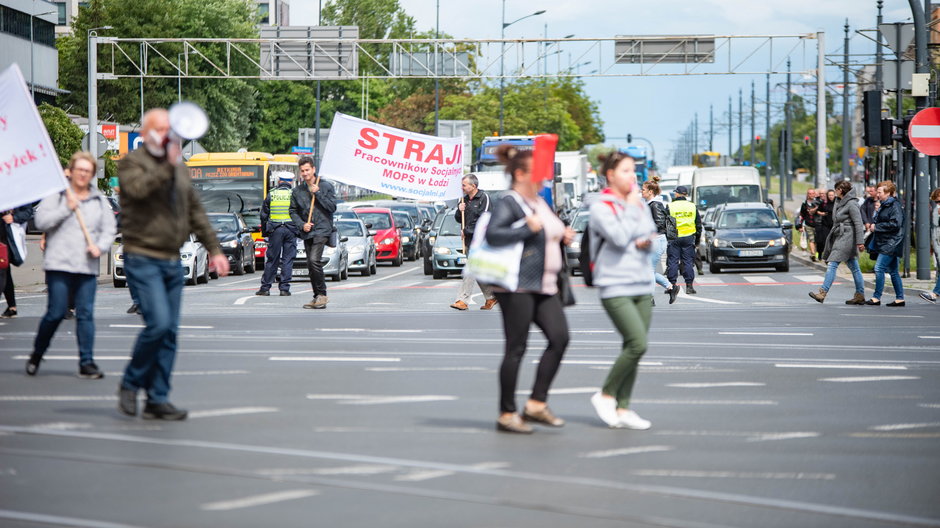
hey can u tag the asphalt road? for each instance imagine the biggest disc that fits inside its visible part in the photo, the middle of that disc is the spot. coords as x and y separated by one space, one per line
768 410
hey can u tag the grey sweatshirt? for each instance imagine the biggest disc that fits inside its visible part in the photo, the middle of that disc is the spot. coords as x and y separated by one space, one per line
65 242
620 268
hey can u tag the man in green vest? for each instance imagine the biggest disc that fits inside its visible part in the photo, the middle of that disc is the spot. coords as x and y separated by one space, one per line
689 226
281 234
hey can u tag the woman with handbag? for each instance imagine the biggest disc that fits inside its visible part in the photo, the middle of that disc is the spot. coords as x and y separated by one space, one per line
622 236
844 242
13 219
888 243
651 193
80 227
523 217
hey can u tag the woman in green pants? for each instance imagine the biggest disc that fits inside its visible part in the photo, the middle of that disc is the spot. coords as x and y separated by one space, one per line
622 233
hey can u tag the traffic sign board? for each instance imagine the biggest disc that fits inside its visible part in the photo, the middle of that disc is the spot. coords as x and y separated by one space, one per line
924 131
301 150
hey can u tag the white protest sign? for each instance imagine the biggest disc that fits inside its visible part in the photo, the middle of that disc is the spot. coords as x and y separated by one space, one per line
393 161
29 166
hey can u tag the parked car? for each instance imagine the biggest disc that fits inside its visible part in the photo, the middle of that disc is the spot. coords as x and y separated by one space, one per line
235 238
360 246
573 251
193 255
430 234
410 248
335 261
345 214
403 205
706 239
448 253
748 235
386 233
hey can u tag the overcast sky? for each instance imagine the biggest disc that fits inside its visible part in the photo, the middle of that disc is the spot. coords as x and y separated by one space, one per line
660 108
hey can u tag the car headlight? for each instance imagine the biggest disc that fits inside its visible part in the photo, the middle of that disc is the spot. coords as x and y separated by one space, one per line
387 241
230 244
575 245
186 256
405 239
327 251
721 243
119 257
777 242
442 251
431 240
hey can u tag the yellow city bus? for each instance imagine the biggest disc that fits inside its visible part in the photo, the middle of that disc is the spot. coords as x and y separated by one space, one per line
707 159
238 182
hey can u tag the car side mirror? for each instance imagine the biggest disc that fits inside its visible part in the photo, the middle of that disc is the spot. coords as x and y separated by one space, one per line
344 239
372 232
368 226
709 226
786 224
425 229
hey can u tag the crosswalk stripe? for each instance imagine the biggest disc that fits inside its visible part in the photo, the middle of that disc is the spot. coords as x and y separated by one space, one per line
759 279
711 281
810 278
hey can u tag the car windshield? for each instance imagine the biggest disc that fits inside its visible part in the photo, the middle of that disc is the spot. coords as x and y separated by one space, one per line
410 210
580 222
744 219
403 220
709 195
449 227
223 224
345 214
378 220
350 229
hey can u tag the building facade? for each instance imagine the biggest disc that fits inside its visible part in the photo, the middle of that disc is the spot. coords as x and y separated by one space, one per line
27 38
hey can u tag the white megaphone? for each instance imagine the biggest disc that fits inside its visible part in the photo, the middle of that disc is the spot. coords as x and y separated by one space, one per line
188 120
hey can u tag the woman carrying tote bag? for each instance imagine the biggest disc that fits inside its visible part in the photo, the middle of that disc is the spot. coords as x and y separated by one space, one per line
534 299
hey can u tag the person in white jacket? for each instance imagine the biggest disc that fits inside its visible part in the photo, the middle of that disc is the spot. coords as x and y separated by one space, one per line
71 262
622 235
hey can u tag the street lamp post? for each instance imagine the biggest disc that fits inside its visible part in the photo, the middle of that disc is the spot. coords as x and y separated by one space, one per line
502 60
32 64
93 91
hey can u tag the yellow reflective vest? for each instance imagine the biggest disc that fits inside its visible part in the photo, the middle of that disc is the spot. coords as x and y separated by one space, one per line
280 205
684 212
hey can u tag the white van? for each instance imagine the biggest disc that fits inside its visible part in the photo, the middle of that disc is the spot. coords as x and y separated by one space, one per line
713 186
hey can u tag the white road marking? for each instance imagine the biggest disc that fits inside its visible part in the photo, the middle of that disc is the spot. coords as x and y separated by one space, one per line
212 413
929 405
758 279
625 451
899 427
443 285
259 500
63 426
768 333
810 278
596 362
182 327
869 378
711 385
570 390
323 358
711 281
880 315
407 430
847 366
56 398
56 520
424 474
56 357
750 436
243 300
428 369
356 469
682 295
917 436
730 474
374 399
373 281
707 402
781 436
929 337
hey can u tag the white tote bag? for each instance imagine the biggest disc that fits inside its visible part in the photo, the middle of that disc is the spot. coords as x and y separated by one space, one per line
18 241
495 265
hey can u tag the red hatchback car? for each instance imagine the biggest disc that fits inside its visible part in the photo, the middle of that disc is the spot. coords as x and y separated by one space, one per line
386 235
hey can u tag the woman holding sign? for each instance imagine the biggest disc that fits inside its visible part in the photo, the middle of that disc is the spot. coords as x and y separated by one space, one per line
80 227
522 216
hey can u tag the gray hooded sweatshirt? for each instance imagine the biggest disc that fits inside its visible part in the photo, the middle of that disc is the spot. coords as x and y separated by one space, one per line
620 268
65 242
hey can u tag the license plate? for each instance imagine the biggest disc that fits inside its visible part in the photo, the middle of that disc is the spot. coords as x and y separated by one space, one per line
751 253
299 271
461 261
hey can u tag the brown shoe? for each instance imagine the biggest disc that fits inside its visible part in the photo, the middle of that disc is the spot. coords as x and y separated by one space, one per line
318 303
858 299
459 305
513 424
819 296
489 304
544 416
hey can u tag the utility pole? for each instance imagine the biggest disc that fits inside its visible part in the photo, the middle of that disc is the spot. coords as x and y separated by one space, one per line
730 127
316 140
711 127
788 147
741 125
753 142
846 122
879 57
821 171
695 135
437 71
921 173
767 164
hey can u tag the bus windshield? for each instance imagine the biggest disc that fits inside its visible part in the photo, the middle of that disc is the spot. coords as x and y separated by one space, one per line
710 195
231 189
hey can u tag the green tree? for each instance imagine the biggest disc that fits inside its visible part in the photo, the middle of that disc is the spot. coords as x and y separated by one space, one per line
229 102
65 135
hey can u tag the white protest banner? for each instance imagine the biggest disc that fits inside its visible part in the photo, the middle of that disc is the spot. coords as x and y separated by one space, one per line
29 166
392 161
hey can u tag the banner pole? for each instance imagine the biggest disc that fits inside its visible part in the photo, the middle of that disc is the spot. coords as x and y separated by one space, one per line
313 199
463 227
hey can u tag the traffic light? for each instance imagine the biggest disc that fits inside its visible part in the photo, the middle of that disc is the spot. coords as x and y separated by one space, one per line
629 138
901 127
806 140
757 140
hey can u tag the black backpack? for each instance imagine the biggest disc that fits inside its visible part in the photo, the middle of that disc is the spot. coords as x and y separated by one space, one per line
585 262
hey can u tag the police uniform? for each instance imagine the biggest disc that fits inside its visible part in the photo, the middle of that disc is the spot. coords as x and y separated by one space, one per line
682 249
281 236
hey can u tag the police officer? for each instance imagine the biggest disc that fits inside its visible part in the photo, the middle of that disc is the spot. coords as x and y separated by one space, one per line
281 234
689 227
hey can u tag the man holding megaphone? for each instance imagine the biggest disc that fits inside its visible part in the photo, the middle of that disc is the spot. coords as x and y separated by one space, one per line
159 209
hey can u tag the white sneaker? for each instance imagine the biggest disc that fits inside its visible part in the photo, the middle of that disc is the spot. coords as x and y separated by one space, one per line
632 420
606 409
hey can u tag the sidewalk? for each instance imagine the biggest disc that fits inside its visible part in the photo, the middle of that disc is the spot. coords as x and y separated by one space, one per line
30 277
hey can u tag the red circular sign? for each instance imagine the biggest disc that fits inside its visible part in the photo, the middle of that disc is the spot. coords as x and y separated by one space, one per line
924 131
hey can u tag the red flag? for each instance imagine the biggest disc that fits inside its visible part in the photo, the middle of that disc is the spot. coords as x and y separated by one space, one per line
543 157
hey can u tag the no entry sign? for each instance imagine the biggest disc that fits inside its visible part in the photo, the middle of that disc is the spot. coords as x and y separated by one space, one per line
925 131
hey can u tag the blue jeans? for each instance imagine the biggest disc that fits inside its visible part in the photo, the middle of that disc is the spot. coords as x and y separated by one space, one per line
852 264
889 264
158 284
63 286
282 248
659 247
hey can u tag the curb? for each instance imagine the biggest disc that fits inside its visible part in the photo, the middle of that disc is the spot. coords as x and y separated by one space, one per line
842 274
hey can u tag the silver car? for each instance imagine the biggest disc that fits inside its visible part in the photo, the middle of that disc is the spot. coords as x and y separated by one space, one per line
360 246
335 261
193 255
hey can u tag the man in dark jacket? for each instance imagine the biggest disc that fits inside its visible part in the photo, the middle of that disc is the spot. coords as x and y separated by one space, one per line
867 209
808 221
281 234
474 203
159 209
316 228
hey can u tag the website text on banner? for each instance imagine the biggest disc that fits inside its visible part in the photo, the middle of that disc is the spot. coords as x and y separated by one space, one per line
392 161
29 167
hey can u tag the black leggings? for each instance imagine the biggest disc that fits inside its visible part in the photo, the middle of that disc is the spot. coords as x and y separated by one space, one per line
519 311
8 288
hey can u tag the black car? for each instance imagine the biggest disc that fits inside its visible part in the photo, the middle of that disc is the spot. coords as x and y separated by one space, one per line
573 251
410 249
430 235
235 238
748 235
